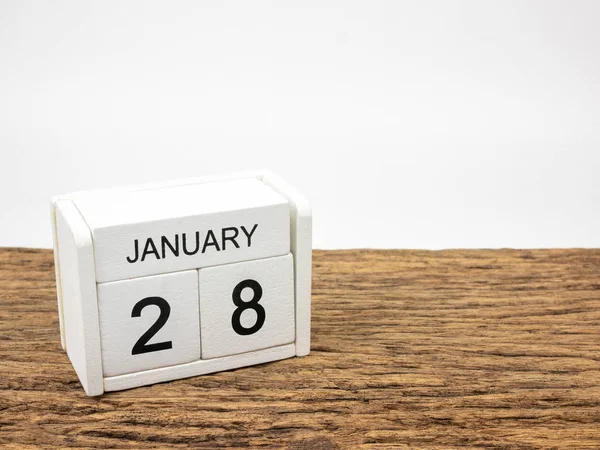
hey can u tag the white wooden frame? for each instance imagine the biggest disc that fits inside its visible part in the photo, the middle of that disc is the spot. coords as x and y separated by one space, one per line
78 303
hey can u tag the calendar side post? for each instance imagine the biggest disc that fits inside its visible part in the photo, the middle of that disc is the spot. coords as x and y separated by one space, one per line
77 295
301 248
59 296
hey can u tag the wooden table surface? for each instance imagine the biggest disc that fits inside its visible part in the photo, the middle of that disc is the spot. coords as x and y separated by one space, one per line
495 349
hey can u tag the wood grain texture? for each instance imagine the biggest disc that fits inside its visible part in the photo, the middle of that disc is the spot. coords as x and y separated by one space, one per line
492 349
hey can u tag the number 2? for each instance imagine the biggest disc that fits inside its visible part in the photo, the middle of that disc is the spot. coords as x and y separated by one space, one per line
142 346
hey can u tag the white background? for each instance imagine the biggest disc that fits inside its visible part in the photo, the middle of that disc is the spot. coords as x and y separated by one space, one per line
407 124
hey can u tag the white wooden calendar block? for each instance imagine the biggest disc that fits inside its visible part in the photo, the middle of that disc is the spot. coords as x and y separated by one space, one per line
149 322
147 276
177 228
247 306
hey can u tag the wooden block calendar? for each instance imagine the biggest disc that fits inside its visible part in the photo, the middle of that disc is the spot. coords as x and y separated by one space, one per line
171 280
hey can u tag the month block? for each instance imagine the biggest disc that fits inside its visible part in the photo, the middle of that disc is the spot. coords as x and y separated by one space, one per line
245 305
149 322
183 278
147 232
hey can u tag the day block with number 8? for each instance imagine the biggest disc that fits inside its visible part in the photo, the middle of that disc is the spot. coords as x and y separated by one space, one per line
172 280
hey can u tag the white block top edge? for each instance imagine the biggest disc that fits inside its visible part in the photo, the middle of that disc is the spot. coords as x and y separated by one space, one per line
103 209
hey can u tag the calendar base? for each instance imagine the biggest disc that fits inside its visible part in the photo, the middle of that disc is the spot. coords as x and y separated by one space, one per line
201 367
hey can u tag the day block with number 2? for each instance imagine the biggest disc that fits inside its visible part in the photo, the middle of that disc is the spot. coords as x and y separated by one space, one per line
171 280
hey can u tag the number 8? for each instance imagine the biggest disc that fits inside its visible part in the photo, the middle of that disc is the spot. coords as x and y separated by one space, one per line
243 306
